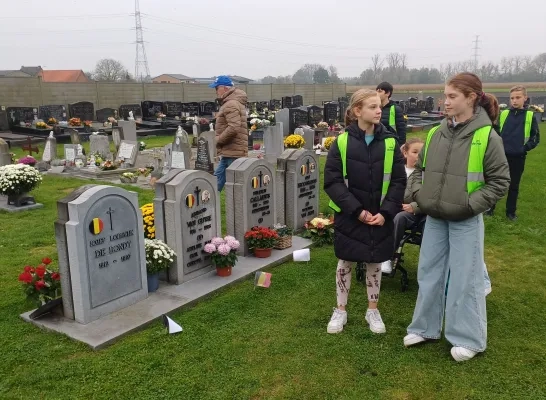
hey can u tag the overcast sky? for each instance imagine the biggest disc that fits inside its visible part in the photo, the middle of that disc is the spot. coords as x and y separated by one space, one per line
203 38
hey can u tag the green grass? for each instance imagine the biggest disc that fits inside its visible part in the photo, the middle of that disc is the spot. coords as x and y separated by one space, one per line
272 343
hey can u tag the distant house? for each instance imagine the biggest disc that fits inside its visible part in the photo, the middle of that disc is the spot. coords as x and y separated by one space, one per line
31 71
13 73
60 75
172 78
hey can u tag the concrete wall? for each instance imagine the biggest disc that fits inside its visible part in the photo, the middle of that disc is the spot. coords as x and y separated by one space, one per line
16 91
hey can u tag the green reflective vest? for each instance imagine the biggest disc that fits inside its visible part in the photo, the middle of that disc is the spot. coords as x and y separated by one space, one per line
528 122
390 143
392 118
475 178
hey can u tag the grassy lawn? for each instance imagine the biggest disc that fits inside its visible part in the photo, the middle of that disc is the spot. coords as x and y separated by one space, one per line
272 343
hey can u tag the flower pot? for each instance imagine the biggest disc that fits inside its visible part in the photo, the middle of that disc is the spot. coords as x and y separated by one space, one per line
262 253
284 242
153 282
223 271
19 200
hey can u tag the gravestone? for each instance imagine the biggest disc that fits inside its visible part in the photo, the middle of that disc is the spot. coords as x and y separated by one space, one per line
190 109
125 108
261 106
181 150
105 247
74 136
250 198
308 137
117 136
159 200
208 107
204 156
192 219
99 144
52 111
70 152
16 115
331 112
150 109
129 130
5 157
315 115
167 149
302 186
128 151
280 179
172 109
4 125
273 142
343 105
83 110
275 104
297 118
297 101
104 113
283 116
286 102
50 149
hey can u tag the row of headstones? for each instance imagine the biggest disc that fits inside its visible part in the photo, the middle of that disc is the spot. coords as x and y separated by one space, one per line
99 229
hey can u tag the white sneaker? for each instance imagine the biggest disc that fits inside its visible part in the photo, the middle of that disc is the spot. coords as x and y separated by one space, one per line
376 323
412 339
461 354
386 267
338 320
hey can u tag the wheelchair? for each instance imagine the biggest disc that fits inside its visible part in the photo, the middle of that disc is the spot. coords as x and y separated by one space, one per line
413 235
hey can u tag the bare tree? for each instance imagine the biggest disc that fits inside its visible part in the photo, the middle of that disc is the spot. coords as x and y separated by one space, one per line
377 65
540 65
111 70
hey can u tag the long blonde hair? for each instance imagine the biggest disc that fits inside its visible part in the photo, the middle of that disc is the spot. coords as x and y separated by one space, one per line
357 101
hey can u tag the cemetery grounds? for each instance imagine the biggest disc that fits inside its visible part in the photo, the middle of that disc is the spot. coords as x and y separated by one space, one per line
243 343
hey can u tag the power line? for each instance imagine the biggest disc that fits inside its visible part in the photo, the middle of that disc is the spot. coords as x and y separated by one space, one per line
141 62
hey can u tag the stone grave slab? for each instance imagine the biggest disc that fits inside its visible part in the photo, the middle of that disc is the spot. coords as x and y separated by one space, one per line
16 115
5 157
128 150
117 136
309 137
204 157
297 101
275 104
181 150
250 197
315 115
273 142
191 109
192 219
172 109
280 178
104 113
208 107
331 112
159 203
85 110
56 111
105 244
287 102
50 149
124 110
70 152
151 108
99 144
129 130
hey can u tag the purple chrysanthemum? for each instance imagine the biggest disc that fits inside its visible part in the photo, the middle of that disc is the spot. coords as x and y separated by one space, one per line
210 248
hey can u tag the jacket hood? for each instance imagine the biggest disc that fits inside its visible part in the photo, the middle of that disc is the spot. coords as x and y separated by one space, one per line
467 128
235 94
380 132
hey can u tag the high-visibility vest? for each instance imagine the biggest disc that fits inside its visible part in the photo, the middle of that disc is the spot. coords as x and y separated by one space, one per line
392 118
475 178
529 115
390 143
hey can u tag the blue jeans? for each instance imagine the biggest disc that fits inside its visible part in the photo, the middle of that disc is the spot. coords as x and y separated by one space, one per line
220 172
455 249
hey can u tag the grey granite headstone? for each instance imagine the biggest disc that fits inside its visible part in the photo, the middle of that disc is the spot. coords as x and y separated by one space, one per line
203 161
129 130
106 252
210 136
283 116
192 219
273 142
128 150
280 178
159 200
50 149
70 152
99 144
5 157
250 198
74 136
117 136
302 187
181 150
309 137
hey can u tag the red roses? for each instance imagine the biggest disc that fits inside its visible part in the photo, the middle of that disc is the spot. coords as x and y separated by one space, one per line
40 284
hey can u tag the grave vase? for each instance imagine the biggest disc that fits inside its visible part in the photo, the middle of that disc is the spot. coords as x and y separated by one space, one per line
19 200
223 271
153 282
262 253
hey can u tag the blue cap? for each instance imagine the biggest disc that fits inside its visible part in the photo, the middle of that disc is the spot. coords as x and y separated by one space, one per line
222 80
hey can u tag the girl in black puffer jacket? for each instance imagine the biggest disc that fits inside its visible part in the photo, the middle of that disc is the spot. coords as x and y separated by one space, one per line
365 206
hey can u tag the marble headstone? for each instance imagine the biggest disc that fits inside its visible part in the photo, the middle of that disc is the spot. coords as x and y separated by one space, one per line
181 150
273 142
5 157
50 149
309 137
99 144
129 130
280 178
128 151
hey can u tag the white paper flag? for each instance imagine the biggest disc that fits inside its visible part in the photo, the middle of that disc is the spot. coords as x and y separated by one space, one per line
171 326
302 255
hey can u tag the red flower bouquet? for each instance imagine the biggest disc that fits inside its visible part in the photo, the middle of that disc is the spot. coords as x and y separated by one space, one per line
40 284
261 238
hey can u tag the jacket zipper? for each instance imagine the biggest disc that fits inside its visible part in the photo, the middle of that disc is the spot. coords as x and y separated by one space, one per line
371 194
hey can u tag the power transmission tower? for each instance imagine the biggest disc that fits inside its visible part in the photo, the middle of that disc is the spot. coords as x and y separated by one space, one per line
142 71
476 48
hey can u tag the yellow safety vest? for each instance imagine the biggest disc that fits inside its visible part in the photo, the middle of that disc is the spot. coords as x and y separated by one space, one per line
392 118
528 122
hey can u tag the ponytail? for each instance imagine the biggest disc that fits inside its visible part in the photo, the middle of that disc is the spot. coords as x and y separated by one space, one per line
491 106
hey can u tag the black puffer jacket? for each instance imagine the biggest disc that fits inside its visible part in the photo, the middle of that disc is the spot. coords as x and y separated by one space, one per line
354 240
400 132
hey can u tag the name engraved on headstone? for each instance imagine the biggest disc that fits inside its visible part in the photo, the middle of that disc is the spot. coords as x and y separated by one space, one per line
202 161
52 111
151 108
125 108
83 110
260 202
192 109
172 108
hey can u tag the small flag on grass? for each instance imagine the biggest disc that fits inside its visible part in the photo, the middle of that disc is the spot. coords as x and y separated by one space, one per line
172 327
262 279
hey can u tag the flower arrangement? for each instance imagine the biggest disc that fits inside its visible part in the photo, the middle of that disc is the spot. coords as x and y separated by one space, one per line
128 177
271 118
87 123
141 146
260 237
40 284
256 146
108 165
52 121
423 113
16 179
320 231
405 117
285 236
145 171
112 120
294 141
223 251
255 123
41 125
159 256
503 106
328 142
536 108
74 122
160 115
203 121
254 115
148 219
322 125
27 160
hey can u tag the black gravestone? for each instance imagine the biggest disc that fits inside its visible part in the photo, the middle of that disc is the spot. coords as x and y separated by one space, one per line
16 115
344 99
191 108
4 125
151 108
429 106
208 107
297 118
83 110
412 105
104 113
297 101
421 105
331 112
315 115
262 105
52 111
125 108
275 104
403 104
172 108
202 161
343 105
287 102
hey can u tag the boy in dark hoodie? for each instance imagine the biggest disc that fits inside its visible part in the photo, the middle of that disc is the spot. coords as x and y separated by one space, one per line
520 134
392 116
